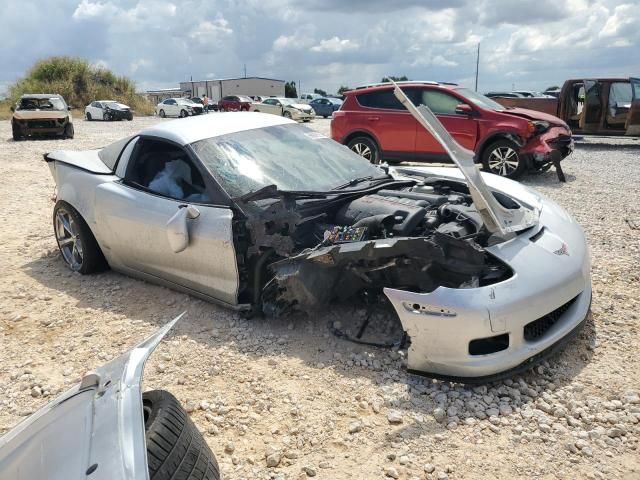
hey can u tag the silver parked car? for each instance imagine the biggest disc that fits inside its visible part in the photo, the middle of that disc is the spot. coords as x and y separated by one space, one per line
106 428
264 215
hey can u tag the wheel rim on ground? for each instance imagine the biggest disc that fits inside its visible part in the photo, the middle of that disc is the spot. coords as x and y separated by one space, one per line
363 150
88 116
68 238
162 113
287 114
503 161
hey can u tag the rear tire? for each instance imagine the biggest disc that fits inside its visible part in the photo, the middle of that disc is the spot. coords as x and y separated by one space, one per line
162 114
176 449
502 158
78 247
88 116
366 148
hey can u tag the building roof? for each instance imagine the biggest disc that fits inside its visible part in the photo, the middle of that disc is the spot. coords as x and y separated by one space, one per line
188 130
232 78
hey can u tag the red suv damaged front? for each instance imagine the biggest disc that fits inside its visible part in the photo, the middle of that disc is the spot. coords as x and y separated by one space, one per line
507 141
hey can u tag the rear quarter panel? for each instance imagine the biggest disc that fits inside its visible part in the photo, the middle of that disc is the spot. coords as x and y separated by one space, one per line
77 187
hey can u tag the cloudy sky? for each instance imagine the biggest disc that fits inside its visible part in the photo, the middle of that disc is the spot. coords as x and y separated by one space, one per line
328 43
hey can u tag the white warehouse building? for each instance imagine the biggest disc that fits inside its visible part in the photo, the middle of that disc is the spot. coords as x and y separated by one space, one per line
216 89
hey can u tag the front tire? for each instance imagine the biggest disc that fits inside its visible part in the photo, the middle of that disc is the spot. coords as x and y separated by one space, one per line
286 115
183 113
175 447
366 148
17 134
78 246
503 158
69 131
88 116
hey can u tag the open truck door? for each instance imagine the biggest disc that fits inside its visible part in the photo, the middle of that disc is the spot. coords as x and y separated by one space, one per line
632 125
591 115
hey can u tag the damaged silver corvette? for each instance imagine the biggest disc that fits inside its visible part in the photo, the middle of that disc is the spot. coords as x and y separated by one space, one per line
266 216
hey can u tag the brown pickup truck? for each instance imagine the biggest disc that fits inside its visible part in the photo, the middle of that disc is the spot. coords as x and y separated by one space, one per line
603 106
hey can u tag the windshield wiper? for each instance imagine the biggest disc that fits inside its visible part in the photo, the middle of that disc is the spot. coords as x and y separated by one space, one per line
271 191
356 181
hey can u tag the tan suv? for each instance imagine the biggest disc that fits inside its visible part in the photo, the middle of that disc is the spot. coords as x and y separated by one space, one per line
41 114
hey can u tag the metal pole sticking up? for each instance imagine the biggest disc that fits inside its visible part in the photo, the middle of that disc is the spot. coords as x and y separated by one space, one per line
477 65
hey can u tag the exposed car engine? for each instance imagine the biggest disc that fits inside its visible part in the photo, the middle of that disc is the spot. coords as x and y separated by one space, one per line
406 235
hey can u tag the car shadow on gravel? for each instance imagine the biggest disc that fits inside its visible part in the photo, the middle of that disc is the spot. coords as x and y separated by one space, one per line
312 339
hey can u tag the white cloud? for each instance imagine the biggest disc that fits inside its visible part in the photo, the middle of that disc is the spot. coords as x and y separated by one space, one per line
335 45
88 10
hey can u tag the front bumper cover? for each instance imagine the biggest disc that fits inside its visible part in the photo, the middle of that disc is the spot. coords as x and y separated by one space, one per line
555 143
551 267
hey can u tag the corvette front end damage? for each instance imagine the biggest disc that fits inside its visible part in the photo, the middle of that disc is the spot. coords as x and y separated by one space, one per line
485 275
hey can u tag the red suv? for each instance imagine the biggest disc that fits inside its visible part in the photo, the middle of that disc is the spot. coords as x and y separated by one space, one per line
507 141
234 103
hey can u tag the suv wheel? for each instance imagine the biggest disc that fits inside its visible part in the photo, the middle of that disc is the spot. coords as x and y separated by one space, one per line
68 131
365 147
502 158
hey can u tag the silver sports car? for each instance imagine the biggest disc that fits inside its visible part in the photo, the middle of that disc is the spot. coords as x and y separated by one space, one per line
264 215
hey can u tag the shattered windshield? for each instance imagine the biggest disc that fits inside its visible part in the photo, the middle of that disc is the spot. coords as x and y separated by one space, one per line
480 100
292 157
53 103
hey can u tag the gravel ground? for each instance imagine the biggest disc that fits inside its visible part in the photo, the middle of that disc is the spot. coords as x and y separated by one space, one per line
285 399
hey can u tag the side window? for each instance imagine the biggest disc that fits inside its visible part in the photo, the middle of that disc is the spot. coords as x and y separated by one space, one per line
380 99
94 104
269 101
439 102
166 170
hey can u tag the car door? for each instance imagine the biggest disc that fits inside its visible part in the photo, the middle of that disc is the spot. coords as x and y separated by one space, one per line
591 117
388 120
134 232
462 126
273 106
172 108
632 125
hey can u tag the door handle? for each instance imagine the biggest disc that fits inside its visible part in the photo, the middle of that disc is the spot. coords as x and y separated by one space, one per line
373 119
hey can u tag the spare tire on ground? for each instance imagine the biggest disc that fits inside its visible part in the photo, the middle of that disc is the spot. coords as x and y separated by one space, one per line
175 448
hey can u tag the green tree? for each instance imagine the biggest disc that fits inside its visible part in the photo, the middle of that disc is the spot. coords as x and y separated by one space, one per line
79 83
342 89
319 91
290 90
403 78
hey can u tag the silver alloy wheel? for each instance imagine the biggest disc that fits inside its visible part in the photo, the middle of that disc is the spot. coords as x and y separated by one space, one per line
363 150
68 237
503 161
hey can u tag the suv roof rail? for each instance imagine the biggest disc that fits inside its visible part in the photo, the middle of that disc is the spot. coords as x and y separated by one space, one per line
380 84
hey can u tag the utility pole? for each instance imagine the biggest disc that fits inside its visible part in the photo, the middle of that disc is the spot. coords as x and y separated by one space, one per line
477 65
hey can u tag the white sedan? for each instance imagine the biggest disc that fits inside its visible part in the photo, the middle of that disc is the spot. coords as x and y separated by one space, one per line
178 107
264 215
286 107
107 110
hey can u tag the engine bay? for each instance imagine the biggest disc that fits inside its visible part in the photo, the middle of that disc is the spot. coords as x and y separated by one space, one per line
408 235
